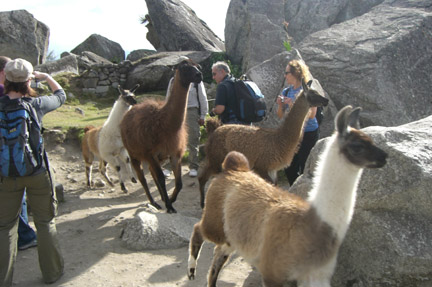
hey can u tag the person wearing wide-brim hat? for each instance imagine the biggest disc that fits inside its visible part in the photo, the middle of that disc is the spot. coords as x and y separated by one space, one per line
39 184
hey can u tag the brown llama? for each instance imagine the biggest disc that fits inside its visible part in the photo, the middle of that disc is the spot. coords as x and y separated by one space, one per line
284 236
105 142
154 131
267 150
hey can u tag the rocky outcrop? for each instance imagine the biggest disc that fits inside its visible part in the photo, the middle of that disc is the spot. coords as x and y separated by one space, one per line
308 16
139 54
254 31
101 46
68 64
178 28
389 241
154 72
22 36
379 61
152 230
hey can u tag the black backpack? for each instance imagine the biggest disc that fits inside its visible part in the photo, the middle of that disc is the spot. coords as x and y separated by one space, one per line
21 142
251 105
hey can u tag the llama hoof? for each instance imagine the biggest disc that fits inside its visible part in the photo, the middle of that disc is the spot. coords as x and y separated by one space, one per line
171 210
191 274
156 205
123 187
133 180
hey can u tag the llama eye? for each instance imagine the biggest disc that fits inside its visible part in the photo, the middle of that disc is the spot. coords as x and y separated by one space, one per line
356 147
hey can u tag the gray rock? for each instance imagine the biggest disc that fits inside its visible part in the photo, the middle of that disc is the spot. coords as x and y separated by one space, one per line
139 54
68 64
379 61
389 241
153 230
22 36
101 46
154 72
254 31
178 28
308 16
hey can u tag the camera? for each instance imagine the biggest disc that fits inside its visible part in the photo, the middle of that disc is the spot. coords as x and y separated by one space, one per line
212 114
282 99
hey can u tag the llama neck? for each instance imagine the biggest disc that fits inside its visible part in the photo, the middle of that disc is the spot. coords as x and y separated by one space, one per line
175 107
292 125
335 186
117 112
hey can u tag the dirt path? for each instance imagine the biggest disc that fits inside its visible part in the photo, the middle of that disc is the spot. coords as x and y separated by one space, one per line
89 226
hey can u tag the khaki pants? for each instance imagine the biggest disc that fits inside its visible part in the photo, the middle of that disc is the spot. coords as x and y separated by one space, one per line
41 198
192 118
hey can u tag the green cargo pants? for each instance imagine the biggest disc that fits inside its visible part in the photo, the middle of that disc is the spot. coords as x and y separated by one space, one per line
41 198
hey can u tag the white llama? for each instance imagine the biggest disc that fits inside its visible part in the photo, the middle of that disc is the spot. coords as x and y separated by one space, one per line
282 235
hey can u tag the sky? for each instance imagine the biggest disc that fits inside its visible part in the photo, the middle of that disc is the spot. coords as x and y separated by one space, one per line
73 21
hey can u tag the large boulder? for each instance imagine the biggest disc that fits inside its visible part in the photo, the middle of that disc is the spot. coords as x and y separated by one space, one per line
139 54
22 36
389 241
68 64
308 16
380 61
178 28
254 31
101 46
154 72
154 230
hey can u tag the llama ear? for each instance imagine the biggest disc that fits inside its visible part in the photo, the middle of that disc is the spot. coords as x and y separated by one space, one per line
134 88
305 86
120 89
353 120
341 120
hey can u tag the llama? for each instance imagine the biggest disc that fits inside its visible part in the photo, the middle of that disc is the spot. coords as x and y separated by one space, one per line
267 150
155 131
284 236
105 142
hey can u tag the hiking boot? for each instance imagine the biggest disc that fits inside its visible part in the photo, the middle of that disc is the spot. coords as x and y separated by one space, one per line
31 244
193 172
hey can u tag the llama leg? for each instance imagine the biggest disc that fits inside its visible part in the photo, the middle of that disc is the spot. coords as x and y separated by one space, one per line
88 168
140 173
159 178
220 256
102 168
122 185
124 157
176 165
195 245
203 177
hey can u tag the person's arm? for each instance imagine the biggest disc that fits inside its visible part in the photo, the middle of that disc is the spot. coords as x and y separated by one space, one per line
49 103
312 112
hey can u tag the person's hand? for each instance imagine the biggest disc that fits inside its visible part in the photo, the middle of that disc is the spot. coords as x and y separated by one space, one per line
201 122
40 76
289 101
280 100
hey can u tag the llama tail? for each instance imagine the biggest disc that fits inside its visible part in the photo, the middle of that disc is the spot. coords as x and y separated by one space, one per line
235 161
212 124
87 128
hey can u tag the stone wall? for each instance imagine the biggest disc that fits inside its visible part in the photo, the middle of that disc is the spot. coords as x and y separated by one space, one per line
99 78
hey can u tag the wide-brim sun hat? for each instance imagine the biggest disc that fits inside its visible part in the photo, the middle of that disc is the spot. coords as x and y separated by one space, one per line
18 71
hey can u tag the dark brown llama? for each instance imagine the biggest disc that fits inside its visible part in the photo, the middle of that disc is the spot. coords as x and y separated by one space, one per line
154 131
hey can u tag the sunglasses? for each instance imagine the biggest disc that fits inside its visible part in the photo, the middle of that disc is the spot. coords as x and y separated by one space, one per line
286 73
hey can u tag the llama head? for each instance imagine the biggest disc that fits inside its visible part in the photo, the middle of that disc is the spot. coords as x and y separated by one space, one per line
355 145
189 72
314 96
128 95
235 161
